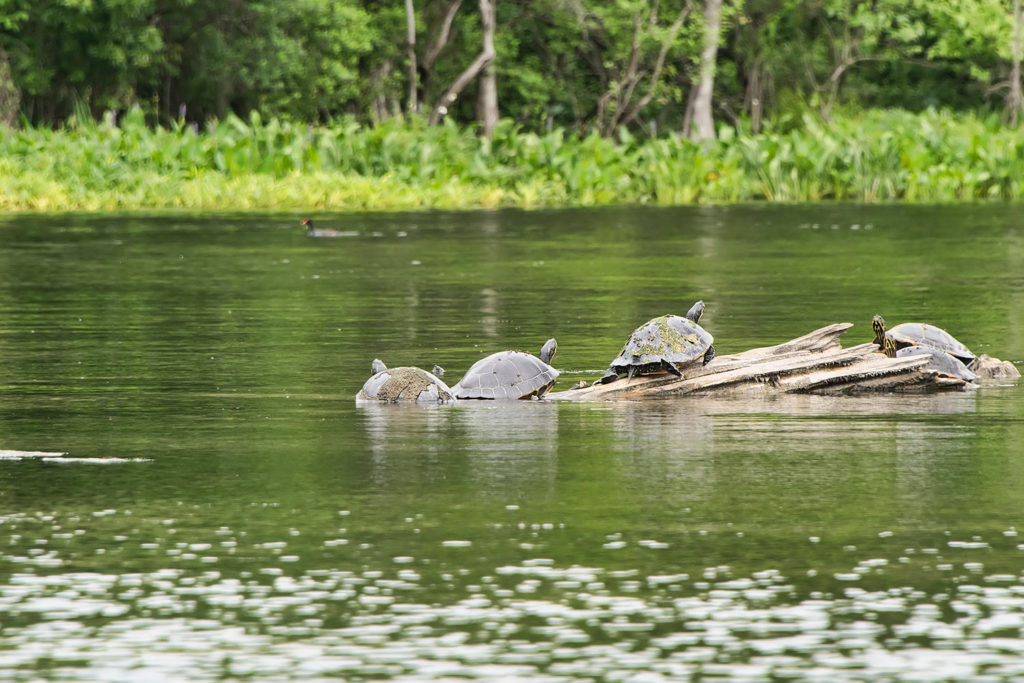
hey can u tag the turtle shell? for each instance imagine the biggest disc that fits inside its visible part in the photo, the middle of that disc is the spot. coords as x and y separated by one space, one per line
506 375
405 385
670 339
923 334
940 363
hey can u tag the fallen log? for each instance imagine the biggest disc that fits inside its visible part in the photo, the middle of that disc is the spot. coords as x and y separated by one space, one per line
814 363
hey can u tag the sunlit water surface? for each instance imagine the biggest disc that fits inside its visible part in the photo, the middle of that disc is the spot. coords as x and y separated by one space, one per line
188 490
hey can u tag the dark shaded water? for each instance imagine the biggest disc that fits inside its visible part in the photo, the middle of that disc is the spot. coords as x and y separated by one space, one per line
225 510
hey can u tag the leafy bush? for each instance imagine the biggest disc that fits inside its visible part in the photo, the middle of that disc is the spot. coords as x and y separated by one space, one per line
275 164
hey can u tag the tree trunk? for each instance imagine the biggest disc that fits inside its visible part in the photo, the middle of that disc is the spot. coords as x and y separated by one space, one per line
755 96
703 123
444 34
10 96
485 57
410 39
379 105
487 100
1015 98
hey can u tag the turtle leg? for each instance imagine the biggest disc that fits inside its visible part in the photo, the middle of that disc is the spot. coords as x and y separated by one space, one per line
709 354
671 368
608 377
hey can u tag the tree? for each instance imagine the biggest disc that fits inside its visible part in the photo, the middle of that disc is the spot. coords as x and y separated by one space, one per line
985 37
700 103
1015 99
10 98
420 69
649 45
487 95
485 57
64 54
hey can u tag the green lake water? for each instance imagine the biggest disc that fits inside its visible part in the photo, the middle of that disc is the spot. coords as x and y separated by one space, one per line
224 510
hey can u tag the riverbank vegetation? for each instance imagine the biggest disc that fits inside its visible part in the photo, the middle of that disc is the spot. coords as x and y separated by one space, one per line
348 104
255 164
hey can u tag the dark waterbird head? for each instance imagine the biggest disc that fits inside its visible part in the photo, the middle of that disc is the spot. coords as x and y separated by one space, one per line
547 352
878 325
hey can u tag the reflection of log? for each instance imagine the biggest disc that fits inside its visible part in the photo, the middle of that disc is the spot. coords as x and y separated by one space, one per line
813 363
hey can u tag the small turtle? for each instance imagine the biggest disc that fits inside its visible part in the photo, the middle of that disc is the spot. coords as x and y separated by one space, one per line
509 375
405 385
921 334
663 345
941 363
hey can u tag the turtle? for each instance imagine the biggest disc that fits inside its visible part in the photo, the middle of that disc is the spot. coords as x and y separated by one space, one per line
509 375
405 385
663 344
921 334
940 362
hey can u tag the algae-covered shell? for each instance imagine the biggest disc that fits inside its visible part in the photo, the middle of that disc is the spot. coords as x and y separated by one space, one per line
404 385
663 344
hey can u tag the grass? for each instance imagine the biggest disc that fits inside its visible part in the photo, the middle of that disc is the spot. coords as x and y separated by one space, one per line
273 165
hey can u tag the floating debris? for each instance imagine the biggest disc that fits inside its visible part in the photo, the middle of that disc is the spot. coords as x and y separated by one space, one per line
21 455
94 461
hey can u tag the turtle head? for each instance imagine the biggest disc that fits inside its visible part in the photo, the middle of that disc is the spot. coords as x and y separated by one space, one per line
377 366
890 346
438 371
547 352
878 325
695 312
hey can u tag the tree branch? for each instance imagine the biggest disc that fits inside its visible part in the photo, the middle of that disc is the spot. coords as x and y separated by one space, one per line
485 57
443 35
630 114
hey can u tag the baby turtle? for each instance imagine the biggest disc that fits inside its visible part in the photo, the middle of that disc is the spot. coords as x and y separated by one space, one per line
664 344
921 334
509 375
405 385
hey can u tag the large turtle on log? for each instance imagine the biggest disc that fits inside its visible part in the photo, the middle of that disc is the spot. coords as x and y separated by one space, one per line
664 344
510 375
404 385
921 334
939 362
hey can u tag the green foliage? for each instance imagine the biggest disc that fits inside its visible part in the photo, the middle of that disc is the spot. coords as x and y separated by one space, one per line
581 66
279 164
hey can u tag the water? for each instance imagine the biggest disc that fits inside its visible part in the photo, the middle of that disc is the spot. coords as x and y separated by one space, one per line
188 490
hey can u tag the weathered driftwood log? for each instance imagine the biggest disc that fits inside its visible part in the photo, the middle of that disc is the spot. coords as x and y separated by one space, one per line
813 363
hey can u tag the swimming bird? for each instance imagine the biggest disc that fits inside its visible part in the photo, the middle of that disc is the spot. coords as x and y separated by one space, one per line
312 231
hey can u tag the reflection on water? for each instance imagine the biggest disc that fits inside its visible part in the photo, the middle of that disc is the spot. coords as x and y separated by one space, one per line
509 446
251 522
502 447
533 619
